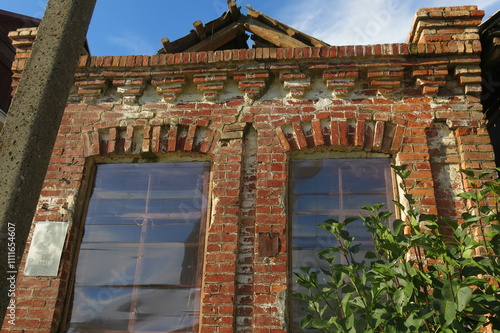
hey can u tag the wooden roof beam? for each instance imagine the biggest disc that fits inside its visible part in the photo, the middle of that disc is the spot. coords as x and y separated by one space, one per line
167 45
265 32
261 17
218 39
252 12
200 30
234 10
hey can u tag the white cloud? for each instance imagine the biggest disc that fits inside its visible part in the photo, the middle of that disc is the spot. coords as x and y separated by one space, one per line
351 22
361 21
133 45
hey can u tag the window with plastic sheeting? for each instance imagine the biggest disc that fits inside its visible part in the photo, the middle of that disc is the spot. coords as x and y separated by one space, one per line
322 189
141 256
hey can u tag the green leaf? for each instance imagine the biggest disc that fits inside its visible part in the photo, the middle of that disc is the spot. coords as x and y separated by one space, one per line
447 310
348 289
344 234
306 321
350 220
467 195
413 323
453 224
345 301
378 315
467 253
301 296
370 255
400 299
355 249
467 172
349 322
483 174
399 205
320 324
409 291
397 225
464 296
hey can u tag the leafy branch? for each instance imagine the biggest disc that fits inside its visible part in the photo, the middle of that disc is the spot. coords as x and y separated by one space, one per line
418 278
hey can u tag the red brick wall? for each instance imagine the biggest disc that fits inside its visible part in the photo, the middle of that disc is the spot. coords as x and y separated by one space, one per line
249 111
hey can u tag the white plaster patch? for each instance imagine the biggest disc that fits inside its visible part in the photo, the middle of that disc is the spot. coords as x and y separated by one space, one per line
323 103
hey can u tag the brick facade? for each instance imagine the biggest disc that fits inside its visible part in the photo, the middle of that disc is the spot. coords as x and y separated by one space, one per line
249 111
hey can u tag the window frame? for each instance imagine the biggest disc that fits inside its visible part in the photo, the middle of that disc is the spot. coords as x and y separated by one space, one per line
391 188
80 217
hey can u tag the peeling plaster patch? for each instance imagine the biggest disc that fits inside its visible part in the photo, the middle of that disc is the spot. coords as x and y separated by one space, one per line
323 103
111 97
189 94
280 305
215 202
149 96
276 91
70 203
318 90
456 178
446 138
445 167
230 91
128 108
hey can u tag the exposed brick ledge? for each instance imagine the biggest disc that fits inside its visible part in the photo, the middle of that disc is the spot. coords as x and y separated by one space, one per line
270 54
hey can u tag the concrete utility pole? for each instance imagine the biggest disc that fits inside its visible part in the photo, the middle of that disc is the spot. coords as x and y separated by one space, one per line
27 140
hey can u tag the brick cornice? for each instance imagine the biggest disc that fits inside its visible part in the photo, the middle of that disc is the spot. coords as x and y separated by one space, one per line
342 76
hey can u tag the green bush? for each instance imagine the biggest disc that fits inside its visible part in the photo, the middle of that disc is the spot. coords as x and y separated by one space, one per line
419 280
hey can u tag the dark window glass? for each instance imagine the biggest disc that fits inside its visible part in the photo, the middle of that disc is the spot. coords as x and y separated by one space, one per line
322 189
140 261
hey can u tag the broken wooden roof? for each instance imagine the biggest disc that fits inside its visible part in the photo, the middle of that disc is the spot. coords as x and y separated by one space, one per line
230 32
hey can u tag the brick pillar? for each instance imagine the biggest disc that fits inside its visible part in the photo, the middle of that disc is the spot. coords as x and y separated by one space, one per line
455 26
22 40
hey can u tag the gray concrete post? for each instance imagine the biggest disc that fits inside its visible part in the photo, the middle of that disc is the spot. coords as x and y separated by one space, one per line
27 140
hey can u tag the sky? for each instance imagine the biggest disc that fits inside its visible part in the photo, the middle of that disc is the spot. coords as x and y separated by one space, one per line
136 27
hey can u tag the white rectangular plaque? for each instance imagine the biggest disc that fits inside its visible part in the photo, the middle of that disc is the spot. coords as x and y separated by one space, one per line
46 248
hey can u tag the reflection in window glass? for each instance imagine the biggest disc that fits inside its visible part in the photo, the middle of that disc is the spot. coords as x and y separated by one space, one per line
331 188
140 262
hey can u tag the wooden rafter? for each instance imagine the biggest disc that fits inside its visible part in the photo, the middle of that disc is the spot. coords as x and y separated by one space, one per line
200 30
260 42
285 28
191 39
274 36
218 39
233 10
167 45
228 32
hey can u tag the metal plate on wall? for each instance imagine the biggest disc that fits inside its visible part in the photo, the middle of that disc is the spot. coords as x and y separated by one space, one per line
269 244
46 248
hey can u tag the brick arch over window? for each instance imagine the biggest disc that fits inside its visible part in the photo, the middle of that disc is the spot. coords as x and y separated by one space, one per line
149 139
368 135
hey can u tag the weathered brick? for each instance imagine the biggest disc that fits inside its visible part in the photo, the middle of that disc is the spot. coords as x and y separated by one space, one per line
376 98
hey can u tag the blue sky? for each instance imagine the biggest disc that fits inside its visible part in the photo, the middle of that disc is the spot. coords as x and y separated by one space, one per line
124 27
